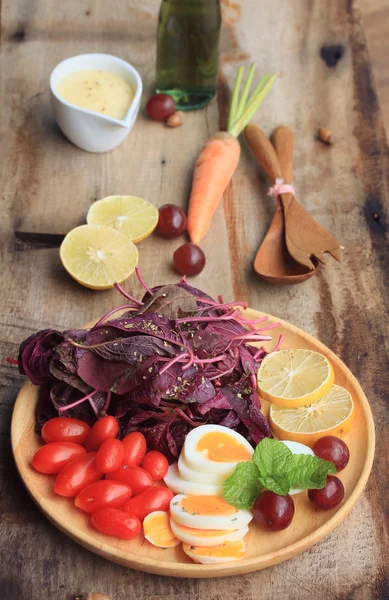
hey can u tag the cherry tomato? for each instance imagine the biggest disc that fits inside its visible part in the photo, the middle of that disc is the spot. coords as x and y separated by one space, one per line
189 259
103 494
333 449
75 476
110 455
272 511
104 429
160 106
134 448
65 429
158 498
171 221
137 478
116 523
157 465
52 457
330 495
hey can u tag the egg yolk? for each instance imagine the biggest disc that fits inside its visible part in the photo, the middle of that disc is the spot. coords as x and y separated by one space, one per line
157 530
222 447
204 533
235 549
207 505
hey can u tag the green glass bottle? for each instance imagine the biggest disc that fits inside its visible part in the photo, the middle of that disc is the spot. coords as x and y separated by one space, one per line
188 51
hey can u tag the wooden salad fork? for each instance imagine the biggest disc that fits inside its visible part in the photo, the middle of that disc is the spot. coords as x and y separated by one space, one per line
304 237
273 262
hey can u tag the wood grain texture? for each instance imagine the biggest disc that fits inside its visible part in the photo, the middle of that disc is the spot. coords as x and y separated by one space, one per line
263 549
324 79
376 23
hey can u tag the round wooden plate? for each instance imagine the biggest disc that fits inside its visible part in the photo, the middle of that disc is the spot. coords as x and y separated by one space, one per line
262 549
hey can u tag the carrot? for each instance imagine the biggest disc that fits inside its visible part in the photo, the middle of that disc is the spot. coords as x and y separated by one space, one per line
219 157
213 171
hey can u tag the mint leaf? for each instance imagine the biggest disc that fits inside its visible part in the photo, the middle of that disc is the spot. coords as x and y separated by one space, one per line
243 486
309 472
279 484
272 458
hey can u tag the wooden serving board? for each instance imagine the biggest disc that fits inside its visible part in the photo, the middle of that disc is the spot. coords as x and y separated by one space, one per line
263 549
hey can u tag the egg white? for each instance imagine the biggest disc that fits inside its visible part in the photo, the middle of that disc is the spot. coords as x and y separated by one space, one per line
197 476
198 540
178 485
210 560
237 520
196 459
297 448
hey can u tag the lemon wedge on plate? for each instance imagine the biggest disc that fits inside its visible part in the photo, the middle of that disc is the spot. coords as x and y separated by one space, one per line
97 257
292 378
134 217
331 415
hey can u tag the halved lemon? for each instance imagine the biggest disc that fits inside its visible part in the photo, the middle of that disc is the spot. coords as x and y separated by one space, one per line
97 257
331 415
292 378
134 217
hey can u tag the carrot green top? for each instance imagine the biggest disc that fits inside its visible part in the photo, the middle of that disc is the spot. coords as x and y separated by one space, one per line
243 109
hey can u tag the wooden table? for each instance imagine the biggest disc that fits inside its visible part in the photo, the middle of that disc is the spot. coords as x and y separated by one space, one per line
324 78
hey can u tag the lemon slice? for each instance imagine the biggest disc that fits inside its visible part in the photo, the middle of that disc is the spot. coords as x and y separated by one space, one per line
292 378
331 415
97 256
134 217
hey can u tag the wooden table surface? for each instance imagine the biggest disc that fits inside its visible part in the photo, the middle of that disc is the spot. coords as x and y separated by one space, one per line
318 51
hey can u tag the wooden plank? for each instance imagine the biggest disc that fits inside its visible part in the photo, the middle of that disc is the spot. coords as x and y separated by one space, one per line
48 186
375 15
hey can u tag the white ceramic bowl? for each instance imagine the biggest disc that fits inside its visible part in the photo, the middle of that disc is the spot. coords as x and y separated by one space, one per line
89 130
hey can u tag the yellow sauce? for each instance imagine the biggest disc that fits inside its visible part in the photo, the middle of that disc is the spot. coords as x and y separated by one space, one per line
99 91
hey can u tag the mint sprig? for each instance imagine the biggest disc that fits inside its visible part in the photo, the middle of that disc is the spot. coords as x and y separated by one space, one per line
243 486
274 461
309 472
277 469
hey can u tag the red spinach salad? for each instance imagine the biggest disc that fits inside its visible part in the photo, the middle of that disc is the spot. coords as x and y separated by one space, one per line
172 361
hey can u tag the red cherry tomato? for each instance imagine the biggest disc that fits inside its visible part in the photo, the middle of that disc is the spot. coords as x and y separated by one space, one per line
65 429
103 494
158 498
160 106
134 448
52 457
75 476
137 478
104 429
157 465
116 523
110 456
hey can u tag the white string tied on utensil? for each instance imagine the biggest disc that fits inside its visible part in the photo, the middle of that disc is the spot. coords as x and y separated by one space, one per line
280 187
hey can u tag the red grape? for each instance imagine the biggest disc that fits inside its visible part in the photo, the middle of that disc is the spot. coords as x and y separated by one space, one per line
189 259
333 449
160 106
272 511
330 495
171 222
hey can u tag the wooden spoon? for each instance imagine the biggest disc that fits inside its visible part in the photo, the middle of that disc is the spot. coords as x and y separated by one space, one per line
273 262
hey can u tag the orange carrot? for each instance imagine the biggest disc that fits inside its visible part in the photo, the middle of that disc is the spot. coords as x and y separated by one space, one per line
213 172
219 158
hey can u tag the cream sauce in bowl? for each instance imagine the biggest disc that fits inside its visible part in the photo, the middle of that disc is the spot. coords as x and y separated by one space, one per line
98 91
